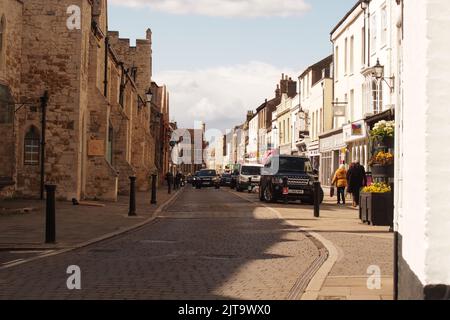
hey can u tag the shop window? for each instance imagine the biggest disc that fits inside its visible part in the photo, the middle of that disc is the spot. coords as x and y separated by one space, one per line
32 147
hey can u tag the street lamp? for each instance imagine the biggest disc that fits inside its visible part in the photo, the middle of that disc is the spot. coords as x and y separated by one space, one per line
149 95
378 72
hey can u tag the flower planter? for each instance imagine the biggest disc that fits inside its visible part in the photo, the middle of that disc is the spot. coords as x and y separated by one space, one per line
382 171
385 143
377 208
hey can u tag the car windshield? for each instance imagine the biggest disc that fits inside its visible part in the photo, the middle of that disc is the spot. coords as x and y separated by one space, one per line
295 165
207 173
251 171
226 176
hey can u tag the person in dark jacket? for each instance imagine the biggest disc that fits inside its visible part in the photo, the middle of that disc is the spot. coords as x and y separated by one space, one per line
169 179
357 179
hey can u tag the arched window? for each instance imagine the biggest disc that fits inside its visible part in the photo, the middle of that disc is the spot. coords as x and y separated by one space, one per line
32 147
377 96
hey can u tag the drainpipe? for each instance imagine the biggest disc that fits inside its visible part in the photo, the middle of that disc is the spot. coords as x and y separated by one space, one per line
44 101
105 92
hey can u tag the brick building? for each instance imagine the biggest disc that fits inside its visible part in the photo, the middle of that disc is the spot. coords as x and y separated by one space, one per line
94 128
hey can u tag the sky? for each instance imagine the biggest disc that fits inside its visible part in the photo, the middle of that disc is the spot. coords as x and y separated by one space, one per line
221 58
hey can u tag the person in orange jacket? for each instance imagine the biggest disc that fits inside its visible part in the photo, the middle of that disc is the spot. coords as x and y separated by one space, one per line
340 180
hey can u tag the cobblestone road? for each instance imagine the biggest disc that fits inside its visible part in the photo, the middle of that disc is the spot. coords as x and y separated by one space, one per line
209 244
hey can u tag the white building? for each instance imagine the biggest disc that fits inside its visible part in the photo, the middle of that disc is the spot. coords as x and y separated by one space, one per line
423 155
349 46
316 94
252 148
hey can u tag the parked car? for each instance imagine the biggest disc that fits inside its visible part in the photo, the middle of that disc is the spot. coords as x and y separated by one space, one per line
288 178
249 177
225 180
207 178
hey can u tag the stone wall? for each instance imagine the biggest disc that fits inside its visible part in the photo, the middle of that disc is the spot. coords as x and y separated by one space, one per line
10 61
52 56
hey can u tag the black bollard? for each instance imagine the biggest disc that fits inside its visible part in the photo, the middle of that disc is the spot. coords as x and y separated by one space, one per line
132 211
154 177
317 199
50 219
250 185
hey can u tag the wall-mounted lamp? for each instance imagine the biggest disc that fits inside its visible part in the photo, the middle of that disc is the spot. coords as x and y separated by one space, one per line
378 73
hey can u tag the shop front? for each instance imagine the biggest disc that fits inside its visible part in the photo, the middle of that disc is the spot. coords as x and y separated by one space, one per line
313 153
333 152
357 140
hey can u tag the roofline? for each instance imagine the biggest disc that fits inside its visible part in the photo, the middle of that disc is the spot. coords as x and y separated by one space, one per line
317 63
345 17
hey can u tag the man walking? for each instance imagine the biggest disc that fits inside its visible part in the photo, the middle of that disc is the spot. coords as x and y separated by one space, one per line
357 179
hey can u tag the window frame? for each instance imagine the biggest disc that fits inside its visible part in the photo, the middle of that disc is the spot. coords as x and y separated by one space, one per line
33 136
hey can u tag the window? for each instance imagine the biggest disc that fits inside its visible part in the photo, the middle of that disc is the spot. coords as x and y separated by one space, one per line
363 46
346 57
336 64
352 58
377 96
383 25
352 105
32 147
373 35
2 38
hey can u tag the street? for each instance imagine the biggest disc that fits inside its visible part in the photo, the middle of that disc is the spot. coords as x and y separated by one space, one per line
207 244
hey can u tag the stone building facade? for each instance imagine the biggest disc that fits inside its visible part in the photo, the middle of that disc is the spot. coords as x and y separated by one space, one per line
97 121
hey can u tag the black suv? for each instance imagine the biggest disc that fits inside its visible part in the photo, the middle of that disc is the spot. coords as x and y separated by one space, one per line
207 178
296 172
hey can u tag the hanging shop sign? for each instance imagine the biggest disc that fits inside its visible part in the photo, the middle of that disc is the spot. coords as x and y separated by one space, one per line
355 131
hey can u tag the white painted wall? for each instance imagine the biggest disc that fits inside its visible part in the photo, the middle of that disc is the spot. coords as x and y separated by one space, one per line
346 79
252 148
423 207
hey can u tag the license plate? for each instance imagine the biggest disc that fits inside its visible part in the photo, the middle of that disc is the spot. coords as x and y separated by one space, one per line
297 191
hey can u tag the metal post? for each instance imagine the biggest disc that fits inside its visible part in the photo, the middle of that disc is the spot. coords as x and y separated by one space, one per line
154 177
44 101
317 199
132 211
50 218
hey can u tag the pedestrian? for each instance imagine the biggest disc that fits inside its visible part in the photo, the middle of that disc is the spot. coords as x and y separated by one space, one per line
177 180
356 179
340 179
169 179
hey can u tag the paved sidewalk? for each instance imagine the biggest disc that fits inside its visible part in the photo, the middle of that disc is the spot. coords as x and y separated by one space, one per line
353 247
25 229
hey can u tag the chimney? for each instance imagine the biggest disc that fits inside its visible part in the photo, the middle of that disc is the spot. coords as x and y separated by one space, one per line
292 88
284 84
278 91
249 115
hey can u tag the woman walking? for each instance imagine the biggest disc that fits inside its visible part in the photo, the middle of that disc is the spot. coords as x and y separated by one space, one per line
340 179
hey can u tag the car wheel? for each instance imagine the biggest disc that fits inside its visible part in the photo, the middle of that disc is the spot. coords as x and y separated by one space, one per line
268 195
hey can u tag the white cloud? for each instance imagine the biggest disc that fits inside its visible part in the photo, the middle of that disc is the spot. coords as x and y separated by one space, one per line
220 96
224 8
